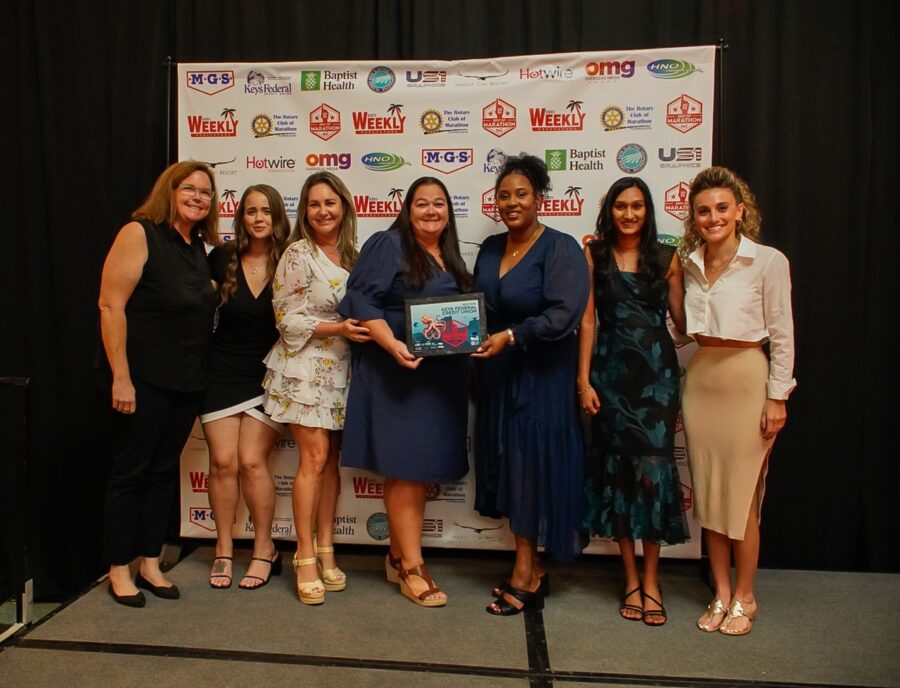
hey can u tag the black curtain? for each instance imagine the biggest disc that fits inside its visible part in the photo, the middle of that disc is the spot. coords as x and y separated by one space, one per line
805 122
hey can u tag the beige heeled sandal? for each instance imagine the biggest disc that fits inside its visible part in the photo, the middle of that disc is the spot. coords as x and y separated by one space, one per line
312 592
334 580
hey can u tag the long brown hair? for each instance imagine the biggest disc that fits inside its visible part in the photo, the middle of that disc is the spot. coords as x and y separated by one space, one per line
720 178
346 243
159 206
281 228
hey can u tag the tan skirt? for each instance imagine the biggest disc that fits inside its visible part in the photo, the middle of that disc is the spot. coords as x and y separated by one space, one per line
724 399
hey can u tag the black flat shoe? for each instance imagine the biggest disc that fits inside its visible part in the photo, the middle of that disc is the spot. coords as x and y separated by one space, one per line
136 600
167 593
529 599
504 586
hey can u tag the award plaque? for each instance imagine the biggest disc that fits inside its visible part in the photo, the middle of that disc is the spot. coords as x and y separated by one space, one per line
442 325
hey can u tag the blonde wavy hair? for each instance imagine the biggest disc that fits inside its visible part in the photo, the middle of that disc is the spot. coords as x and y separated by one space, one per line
159 206
720 178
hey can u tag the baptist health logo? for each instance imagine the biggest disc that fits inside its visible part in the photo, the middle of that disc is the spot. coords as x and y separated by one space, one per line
555 159
326 80
310 81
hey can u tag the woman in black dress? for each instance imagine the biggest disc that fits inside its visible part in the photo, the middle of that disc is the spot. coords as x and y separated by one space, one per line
630 387
156 314
239 433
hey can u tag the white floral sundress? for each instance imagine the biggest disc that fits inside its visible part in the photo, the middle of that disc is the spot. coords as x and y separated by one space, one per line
307 377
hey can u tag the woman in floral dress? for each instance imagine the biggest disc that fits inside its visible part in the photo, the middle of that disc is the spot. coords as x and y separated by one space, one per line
308 369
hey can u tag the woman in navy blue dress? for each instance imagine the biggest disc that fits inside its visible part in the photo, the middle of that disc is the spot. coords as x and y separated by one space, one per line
406 417
529 452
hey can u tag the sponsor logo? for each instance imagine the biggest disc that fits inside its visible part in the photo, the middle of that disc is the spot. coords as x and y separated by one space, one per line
206 127
494 160
478 532
382 162
328 161
684 113
561 159
284 484
228 204
498 118
547 73
543 119
279 164
325 122
345 525
460 207
570 206
367 206
671 69
433 527
676 201
264 125
202 516
199 481
489 205
686 156
284 529
428 77
446 492
631 158
680 454
326 80
291 203
370 123
285 443
366 488
377 526
609 71
679 423
447 160
451 121
381 79
482 80
614 117
211 82
668 240
261 84
221 168
687 497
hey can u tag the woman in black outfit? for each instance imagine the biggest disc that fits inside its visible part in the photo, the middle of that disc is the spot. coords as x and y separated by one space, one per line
239 433
156 314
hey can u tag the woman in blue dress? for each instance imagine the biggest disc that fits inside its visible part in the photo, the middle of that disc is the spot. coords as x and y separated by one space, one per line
630 387
406 416
528 443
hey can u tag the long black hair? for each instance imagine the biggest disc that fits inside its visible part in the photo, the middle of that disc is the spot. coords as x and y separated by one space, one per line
420 264
648 249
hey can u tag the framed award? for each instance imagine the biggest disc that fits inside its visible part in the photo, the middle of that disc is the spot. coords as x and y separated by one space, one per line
443 325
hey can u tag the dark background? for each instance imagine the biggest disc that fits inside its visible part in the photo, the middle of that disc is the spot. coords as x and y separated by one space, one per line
806 123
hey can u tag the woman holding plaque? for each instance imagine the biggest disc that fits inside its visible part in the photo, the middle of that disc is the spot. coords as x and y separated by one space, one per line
239 433
528 441
738 297
308 369
157 304
630 387
406 415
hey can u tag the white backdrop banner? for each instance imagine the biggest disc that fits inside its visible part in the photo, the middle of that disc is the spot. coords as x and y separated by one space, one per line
592 117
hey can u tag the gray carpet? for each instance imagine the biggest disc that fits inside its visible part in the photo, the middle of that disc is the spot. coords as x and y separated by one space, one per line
813 629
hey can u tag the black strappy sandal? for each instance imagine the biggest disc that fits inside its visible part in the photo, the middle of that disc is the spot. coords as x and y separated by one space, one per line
529 599
625 607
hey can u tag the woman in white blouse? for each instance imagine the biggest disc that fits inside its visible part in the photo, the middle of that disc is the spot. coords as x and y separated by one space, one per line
306 381
738 298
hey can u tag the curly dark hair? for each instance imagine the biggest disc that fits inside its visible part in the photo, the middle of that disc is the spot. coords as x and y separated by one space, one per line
529 166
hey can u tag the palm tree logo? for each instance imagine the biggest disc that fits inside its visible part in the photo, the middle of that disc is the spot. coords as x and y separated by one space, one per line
228 113
394 109
575 106
228 195
395 194
573 191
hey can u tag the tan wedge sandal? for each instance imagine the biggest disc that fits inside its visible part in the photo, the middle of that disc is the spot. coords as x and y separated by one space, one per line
334 580
312 592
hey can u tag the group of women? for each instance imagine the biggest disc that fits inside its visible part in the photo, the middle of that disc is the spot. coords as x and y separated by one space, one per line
291 307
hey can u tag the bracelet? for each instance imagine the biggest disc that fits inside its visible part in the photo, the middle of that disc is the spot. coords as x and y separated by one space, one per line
511 335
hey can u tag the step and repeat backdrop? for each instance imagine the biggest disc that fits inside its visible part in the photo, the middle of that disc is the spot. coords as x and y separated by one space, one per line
592 117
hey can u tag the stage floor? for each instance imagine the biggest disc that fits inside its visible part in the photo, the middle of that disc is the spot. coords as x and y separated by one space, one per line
814 629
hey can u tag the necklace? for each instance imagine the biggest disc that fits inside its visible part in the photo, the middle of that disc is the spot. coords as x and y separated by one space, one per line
711 267
254 267
620 258
534 235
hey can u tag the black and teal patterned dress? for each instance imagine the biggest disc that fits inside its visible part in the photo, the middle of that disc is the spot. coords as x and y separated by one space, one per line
633 490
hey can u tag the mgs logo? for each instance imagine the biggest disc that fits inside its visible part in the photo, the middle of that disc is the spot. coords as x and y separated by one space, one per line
555 159
325 122
447 160
684 113
202 516
211 82
310 80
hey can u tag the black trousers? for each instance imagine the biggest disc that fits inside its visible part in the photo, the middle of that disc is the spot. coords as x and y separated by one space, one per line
146 449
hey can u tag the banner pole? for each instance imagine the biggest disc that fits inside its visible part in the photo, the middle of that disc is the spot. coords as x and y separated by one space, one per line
168 65
721 47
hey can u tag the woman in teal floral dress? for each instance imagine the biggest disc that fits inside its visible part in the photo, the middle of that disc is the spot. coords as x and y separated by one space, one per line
630 387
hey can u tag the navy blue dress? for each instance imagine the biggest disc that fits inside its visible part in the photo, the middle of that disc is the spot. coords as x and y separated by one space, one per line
529 452
402 424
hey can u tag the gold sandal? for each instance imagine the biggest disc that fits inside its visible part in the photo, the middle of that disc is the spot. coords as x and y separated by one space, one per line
421 599
305 591
716 607
334 580
736 611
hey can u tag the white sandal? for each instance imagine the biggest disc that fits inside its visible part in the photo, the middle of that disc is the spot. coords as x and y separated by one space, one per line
312 592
